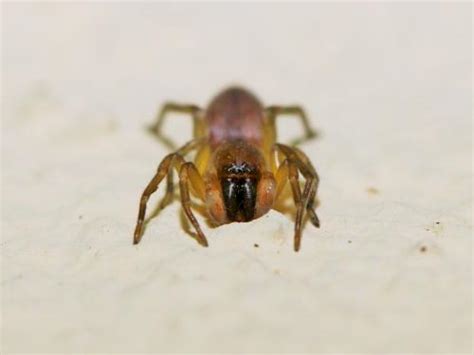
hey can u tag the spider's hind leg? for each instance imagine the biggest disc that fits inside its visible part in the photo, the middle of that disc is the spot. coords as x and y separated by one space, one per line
157 127
272 112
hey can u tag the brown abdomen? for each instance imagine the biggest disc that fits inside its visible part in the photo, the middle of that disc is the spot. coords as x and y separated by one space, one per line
235 114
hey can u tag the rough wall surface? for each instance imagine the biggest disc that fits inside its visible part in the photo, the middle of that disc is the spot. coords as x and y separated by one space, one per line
387 85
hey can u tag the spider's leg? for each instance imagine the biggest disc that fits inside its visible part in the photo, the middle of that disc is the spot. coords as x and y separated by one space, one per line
310 208
189 175
157 127
163 170
173 160
272 112
303 200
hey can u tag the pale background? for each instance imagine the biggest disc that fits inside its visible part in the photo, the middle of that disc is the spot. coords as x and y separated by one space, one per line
387 85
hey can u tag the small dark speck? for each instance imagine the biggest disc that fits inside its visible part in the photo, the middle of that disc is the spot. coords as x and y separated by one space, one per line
423 249
256 245
80 216
427 229
372 191
437 222
349 241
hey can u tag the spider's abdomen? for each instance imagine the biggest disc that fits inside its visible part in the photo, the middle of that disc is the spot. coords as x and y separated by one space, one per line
235 114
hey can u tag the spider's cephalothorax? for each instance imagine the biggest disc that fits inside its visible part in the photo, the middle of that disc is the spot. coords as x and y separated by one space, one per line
239 170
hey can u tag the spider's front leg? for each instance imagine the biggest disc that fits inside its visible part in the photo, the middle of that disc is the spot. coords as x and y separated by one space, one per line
171 161
288 171
310 208
163 170
189 175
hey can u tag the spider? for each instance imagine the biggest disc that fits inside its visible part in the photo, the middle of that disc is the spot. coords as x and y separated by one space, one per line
239 170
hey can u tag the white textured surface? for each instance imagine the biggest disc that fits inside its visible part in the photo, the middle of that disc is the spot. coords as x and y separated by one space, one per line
389 86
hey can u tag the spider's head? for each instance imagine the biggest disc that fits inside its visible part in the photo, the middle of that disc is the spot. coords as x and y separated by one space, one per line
244 190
